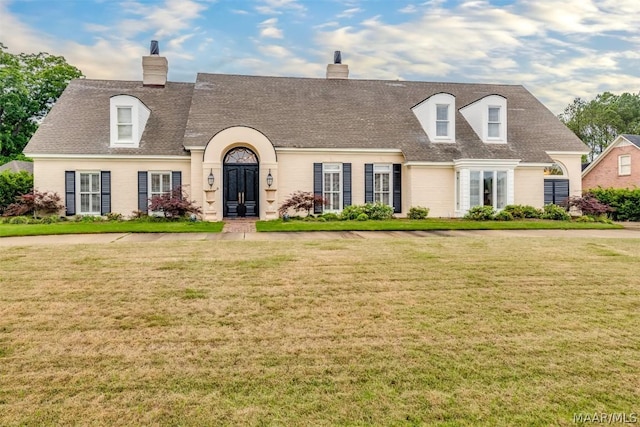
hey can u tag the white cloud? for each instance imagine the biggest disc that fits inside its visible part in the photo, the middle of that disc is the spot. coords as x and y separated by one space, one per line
268 29
348 13
276 7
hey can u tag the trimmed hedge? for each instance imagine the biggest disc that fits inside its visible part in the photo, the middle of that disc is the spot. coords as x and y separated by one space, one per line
625 202
12 185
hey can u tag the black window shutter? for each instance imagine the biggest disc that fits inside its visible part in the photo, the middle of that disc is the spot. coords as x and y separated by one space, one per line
346 184
397 188
368 183
143 193
176 180
105 192
317 187
548 191
561 191
70 192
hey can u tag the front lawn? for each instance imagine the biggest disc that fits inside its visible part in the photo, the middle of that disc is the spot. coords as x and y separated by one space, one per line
426 224
469 331
132 226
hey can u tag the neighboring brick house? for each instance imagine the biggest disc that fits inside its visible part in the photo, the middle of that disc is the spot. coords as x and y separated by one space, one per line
243 144
618 166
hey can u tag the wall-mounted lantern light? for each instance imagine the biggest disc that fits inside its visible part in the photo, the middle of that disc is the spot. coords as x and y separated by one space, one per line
211 179
269 179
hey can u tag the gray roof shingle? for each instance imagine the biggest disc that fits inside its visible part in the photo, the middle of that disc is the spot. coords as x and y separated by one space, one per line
634 139
299 112
79 122
17 166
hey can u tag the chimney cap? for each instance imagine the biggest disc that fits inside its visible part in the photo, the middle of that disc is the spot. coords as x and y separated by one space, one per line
155 48
337 57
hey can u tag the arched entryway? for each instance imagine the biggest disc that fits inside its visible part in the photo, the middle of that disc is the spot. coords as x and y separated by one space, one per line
241 178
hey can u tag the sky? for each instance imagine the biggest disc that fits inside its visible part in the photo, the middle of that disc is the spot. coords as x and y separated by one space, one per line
558 50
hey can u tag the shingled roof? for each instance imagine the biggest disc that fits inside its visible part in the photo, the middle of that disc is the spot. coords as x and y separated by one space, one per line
634 139
79 122
299 112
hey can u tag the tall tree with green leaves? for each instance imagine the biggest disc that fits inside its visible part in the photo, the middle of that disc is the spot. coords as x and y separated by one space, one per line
29 86
599 121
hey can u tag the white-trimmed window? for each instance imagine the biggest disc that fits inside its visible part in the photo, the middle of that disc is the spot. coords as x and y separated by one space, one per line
125 124
487 188
442 120
624 164
128 118
493 123
160 183
89 193
332 186
382 184
488 118
436 115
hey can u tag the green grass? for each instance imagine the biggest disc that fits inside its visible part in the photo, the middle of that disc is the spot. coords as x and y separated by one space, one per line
466 331
7 230
426 224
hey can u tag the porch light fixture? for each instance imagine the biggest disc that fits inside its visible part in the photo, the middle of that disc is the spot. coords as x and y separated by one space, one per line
211 179
269 179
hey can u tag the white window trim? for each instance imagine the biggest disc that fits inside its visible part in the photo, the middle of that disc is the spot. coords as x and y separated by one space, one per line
119 124
149 181
139 117
499 123
446 120
625 164
340 185
477 115
389 171
462 192
79 193
427 113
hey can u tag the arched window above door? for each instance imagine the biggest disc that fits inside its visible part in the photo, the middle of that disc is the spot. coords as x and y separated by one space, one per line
240 155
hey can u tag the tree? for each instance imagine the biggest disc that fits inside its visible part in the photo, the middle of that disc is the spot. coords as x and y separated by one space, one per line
29 86
599 121
175 204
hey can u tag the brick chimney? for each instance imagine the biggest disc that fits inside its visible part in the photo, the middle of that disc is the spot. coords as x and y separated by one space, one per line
337 70
154 67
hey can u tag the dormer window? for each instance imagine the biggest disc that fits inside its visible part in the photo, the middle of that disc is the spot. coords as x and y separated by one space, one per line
442 120
436 114
128 116
488 118
125 124
494 122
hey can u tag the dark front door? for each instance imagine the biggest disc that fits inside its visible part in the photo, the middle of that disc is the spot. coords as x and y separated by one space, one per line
240 190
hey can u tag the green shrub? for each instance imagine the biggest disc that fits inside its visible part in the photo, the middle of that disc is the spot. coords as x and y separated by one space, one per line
362 217
351 212
523 211
625 202
330 216
480 213
585 218
19 220
51 219
418 212
114 216
555 212
378 211
12 185
503 216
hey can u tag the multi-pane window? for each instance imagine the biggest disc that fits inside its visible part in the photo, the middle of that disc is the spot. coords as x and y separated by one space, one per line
624 165
160 183
331 189
488 188
442 120
382 184
125 124
90 193
494 122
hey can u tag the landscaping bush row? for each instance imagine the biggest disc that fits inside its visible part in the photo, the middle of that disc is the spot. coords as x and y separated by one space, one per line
592 212
623 202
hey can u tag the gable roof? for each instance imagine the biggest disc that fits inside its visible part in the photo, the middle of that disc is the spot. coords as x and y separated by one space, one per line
633 139
17 166
299 113
79 122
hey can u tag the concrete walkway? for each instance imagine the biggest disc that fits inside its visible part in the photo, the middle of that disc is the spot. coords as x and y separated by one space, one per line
626 233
